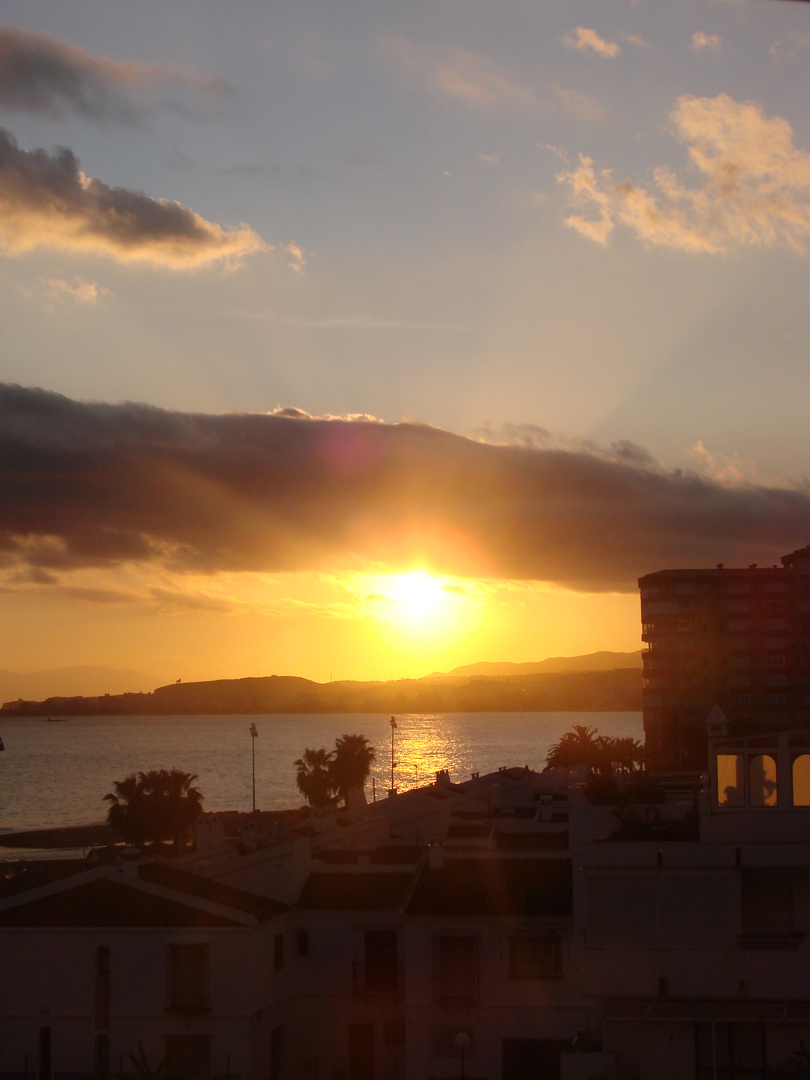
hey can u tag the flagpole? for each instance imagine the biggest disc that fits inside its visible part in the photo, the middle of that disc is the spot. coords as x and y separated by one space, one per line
393 763
253 735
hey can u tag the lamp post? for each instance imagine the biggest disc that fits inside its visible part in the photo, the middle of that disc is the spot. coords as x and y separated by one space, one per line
462 1044
253 735
393 763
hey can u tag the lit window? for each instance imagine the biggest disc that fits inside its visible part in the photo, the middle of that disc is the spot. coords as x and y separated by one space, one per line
762 780
730 786
801 780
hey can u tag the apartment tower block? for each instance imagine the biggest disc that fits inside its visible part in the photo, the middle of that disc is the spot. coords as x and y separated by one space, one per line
738 639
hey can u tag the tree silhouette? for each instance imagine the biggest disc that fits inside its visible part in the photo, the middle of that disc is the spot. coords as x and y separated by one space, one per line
314 777
601 754
351 763
157 805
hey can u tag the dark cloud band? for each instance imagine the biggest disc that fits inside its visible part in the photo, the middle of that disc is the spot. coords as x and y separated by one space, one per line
46 200
45 75
94 485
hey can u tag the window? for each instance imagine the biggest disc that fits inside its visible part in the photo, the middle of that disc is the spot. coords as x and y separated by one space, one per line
188 1055
766 906
734 1052
302 943
455 968
762 780
102 1003
534 956
395 1035
278 952
278 1046
801 780
102 1057
443 1040
380 966
730 780
187 978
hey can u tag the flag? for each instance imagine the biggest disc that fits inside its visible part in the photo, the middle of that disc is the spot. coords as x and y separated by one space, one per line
253 731
393 722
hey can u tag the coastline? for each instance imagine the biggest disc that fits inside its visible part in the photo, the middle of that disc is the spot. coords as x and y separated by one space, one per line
68 836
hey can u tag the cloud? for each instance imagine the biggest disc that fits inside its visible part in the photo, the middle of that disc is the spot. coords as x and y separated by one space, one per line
789 47
585 40
460 74
296 259
43 75
753 185
47 201
635 39
94 485
83 292
724 468
702 40
580 105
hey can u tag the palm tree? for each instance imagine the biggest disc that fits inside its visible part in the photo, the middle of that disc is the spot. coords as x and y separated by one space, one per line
157 805
601 754
628 755
313 776
581 746
127 813
351 763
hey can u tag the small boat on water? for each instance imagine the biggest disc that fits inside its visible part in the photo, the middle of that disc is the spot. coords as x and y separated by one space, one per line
55 719
2 747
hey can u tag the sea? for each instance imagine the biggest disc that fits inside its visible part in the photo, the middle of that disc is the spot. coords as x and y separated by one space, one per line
57 772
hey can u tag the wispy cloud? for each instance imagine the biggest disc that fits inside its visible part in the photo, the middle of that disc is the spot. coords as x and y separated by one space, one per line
296 260
585 40
83 292
635 39
47 201
753 184
580 105
789 47
466 76
45 75
119 486
702 40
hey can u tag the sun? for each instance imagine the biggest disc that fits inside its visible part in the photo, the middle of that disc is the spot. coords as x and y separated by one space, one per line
418 596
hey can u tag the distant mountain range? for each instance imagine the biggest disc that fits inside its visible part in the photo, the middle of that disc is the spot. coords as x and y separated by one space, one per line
596 661
594 683
70 681
90 681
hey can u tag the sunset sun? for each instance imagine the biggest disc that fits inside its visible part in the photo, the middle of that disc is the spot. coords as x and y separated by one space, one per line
417 595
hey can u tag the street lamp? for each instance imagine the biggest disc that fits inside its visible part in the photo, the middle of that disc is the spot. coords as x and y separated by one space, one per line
253 734
462 1044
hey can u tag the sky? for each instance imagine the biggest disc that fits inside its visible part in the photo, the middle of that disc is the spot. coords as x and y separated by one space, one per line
368 340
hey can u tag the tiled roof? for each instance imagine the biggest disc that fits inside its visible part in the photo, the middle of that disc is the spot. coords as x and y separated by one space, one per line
354 891
524 888
102 902
161 873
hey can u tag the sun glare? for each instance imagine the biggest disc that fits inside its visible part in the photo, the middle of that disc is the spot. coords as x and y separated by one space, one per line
417 595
